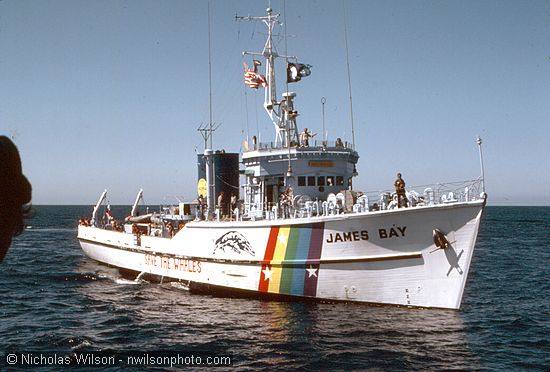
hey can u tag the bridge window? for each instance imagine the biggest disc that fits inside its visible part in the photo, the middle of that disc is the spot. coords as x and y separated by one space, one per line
339 181
311 180
330 180
321 181
301 181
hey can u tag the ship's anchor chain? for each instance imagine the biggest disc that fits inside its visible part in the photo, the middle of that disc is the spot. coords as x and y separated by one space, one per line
440 240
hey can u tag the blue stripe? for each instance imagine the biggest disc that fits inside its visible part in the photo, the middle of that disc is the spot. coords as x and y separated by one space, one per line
302 251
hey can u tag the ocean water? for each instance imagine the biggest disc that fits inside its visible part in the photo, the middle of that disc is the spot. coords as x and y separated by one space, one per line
56 305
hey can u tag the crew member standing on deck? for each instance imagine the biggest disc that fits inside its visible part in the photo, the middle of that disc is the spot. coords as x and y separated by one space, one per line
221 201
200 207
305 136
400 191
232 203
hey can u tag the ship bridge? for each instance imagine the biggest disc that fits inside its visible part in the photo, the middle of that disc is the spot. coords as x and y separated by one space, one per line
292 169
314 171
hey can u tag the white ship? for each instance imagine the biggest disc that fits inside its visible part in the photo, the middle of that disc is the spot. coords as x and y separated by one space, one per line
300 230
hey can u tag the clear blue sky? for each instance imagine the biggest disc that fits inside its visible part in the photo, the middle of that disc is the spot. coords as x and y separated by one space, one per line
109 94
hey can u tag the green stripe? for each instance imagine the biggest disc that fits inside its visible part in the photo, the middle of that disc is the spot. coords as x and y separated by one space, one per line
290 254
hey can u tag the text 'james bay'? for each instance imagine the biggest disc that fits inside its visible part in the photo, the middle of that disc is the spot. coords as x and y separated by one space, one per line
355 236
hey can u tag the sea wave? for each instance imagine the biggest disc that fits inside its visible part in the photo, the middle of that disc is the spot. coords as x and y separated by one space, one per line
54 299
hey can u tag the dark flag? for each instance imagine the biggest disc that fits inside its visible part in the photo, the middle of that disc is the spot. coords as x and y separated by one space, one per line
296 71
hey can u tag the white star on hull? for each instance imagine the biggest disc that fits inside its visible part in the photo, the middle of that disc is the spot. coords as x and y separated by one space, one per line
267 273
312 271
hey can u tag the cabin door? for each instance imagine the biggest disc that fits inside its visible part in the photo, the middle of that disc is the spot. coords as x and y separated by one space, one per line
271 195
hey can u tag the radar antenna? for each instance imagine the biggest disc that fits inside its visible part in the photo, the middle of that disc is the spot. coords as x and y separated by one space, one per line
206 131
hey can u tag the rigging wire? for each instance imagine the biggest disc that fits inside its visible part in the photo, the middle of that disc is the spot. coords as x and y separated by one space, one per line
323 101
238 29
349 75
246 110
286 41
256 111
227 183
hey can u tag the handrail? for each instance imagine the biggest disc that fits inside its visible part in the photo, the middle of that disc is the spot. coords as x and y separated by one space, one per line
344 145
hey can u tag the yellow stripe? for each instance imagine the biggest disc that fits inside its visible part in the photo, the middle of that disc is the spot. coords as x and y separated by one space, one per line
275 282
280 246
278 256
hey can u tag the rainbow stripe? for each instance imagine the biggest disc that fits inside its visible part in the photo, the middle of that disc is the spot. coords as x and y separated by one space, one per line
291 261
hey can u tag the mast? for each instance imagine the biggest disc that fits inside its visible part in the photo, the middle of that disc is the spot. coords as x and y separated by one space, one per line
209 82
281 113
349 75
207 132
207 129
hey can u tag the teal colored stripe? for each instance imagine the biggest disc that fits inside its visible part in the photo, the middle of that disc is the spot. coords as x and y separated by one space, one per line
303 243
297 287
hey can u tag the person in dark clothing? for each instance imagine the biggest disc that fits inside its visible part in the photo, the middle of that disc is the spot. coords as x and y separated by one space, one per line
400 191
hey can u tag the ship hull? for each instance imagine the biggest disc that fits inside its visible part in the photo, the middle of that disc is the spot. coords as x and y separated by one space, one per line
385 257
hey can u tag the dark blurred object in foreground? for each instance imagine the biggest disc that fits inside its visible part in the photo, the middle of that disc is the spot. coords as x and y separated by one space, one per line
15 194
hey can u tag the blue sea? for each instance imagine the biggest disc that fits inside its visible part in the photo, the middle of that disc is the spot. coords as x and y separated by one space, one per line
56 306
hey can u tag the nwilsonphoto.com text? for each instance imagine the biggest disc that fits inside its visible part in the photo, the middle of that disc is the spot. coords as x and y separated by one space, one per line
102 359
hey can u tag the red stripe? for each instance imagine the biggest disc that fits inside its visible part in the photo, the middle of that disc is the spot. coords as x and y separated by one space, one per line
254 80
263 286
271 243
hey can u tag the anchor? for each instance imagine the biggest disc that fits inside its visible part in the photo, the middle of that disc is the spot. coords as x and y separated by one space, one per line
440 240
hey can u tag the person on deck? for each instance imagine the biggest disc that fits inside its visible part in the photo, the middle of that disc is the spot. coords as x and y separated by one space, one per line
201 206
400 191
232 203
285 199
221 202
305 136
15 195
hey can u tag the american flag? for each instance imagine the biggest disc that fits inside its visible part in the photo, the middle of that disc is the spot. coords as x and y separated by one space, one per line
252 78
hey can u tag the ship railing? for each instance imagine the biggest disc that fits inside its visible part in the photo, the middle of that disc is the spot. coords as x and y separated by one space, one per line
428 194
417 196
312 144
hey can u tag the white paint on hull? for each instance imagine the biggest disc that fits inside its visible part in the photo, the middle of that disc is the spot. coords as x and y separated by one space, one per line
386 257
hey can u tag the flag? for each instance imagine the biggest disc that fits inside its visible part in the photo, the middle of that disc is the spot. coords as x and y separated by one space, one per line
252 78
296 71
